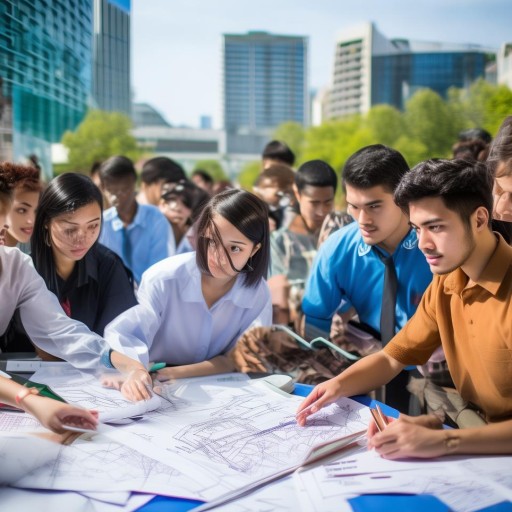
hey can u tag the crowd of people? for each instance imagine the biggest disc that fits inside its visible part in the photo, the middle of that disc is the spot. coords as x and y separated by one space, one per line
195 273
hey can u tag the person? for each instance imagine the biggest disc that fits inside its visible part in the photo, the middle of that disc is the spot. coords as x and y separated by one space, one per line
350 269
155 172
138 233
274 185
182 203
277 152
293 248
193 307
203 180
21 287
52 414
27 189
89 280
464 310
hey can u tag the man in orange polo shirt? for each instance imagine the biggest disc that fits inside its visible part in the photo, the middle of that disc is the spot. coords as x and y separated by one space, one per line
467 310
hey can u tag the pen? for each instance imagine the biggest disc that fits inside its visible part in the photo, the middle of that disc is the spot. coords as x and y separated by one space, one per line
156 366
382 416
379 418
43 389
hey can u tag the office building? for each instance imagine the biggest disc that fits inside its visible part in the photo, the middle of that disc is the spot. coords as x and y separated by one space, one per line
111 56
504 65
370 69
45 67
265 83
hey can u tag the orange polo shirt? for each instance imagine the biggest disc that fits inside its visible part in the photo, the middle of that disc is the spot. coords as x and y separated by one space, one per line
474 326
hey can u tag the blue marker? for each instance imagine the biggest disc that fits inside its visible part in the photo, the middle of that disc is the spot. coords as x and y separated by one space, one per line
156 366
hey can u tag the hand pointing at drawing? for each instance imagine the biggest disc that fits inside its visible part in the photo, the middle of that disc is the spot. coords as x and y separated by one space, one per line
322 395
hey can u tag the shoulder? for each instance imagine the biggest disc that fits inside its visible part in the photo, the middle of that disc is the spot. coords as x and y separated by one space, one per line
12 258
149 211
180 266
104 256
253 296
343 241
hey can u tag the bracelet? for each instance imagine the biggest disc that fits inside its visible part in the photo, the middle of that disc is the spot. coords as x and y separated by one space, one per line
23 393
451 441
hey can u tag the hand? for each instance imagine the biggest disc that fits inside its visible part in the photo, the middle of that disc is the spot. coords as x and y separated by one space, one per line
322 395
53 414
420 436
165 374
137 385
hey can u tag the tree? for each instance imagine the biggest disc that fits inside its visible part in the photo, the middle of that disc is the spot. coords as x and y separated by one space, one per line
386 124
99 136
292 134
213 168
248 174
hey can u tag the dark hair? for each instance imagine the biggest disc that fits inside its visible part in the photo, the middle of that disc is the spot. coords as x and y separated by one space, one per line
95 168
21 176
249 215
463 186
374 165
162 168
283 175
7 178
473 150
64 194
501 149
192 196
475 134
117 167
205 176
277 150
315 173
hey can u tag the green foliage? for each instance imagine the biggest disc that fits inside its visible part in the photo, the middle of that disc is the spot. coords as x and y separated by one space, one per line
293 135
248 175
99 136
213 168
386 124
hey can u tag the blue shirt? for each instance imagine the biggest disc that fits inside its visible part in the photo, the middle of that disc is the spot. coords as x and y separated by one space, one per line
149 236
173 323
347 272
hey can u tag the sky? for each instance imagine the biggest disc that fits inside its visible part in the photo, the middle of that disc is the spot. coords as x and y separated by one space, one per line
176 44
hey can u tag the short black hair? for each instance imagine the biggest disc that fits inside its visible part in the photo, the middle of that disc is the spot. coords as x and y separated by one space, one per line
282 175
205 176
277 150
501 149
249 215
475 134
162 168
315 173
117 167
374 165
463 186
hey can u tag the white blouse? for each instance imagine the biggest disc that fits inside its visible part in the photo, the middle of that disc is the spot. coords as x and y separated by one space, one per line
172 322
41 314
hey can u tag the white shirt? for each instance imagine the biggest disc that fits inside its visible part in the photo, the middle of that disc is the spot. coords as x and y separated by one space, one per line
172 322
43 318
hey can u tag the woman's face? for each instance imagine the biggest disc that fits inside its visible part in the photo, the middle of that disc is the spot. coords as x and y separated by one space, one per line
176 212
22 214
73 234
503 198
235 243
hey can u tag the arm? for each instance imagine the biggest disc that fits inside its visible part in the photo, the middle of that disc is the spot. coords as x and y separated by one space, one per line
52 414
367 374
218 364
417 437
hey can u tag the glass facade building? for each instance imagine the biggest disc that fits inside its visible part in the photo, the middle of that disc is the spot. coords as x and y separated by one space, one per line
111 56
265 83
45 66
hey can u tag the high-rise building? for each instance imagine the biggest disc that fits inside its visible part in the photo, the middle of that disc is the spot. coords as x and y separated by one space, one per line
504 65
265 83
45 67
370 69
111 56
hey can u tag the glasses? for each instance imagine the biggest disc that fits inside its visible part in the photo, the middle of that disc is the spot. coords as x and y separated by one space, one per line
76 235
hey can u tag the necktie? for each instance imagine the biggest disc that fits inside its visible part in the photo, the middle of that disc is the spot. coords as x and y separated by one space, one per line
127 249
387 313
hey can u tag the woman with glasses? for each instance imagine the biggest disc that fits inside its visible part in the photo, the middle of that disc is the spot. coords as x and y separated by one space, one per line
194 307
89 280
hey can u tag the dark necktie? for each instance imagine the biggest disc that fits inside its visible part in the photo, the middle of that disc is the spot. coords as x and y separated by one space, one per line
387 313
127 249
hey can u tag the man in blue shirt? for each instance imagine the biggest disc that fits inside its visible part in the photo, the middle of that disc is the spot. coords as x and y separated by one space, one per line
138 233
349 271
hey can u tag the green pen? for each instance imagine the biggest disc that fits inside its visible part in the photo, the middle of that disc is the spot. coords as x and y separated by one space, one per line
43 389
156 366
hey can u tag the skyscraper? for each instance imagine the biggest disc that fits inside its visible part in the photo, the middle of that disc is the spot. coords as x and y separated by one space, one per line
265 83
370 69
111 56
45 66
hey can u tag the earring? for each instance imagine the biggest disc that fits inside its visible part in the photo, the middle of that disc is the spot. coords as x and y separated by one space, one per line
47 238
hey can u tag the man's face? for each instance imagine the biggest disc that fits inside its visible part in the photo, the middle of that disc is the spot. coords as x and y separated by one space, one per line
269 191
120 192
380 220
315 204
443 238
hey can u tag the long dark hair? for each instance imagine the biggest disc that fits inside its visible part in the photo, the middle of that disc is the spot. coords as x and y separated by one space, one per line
64 194
249 214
